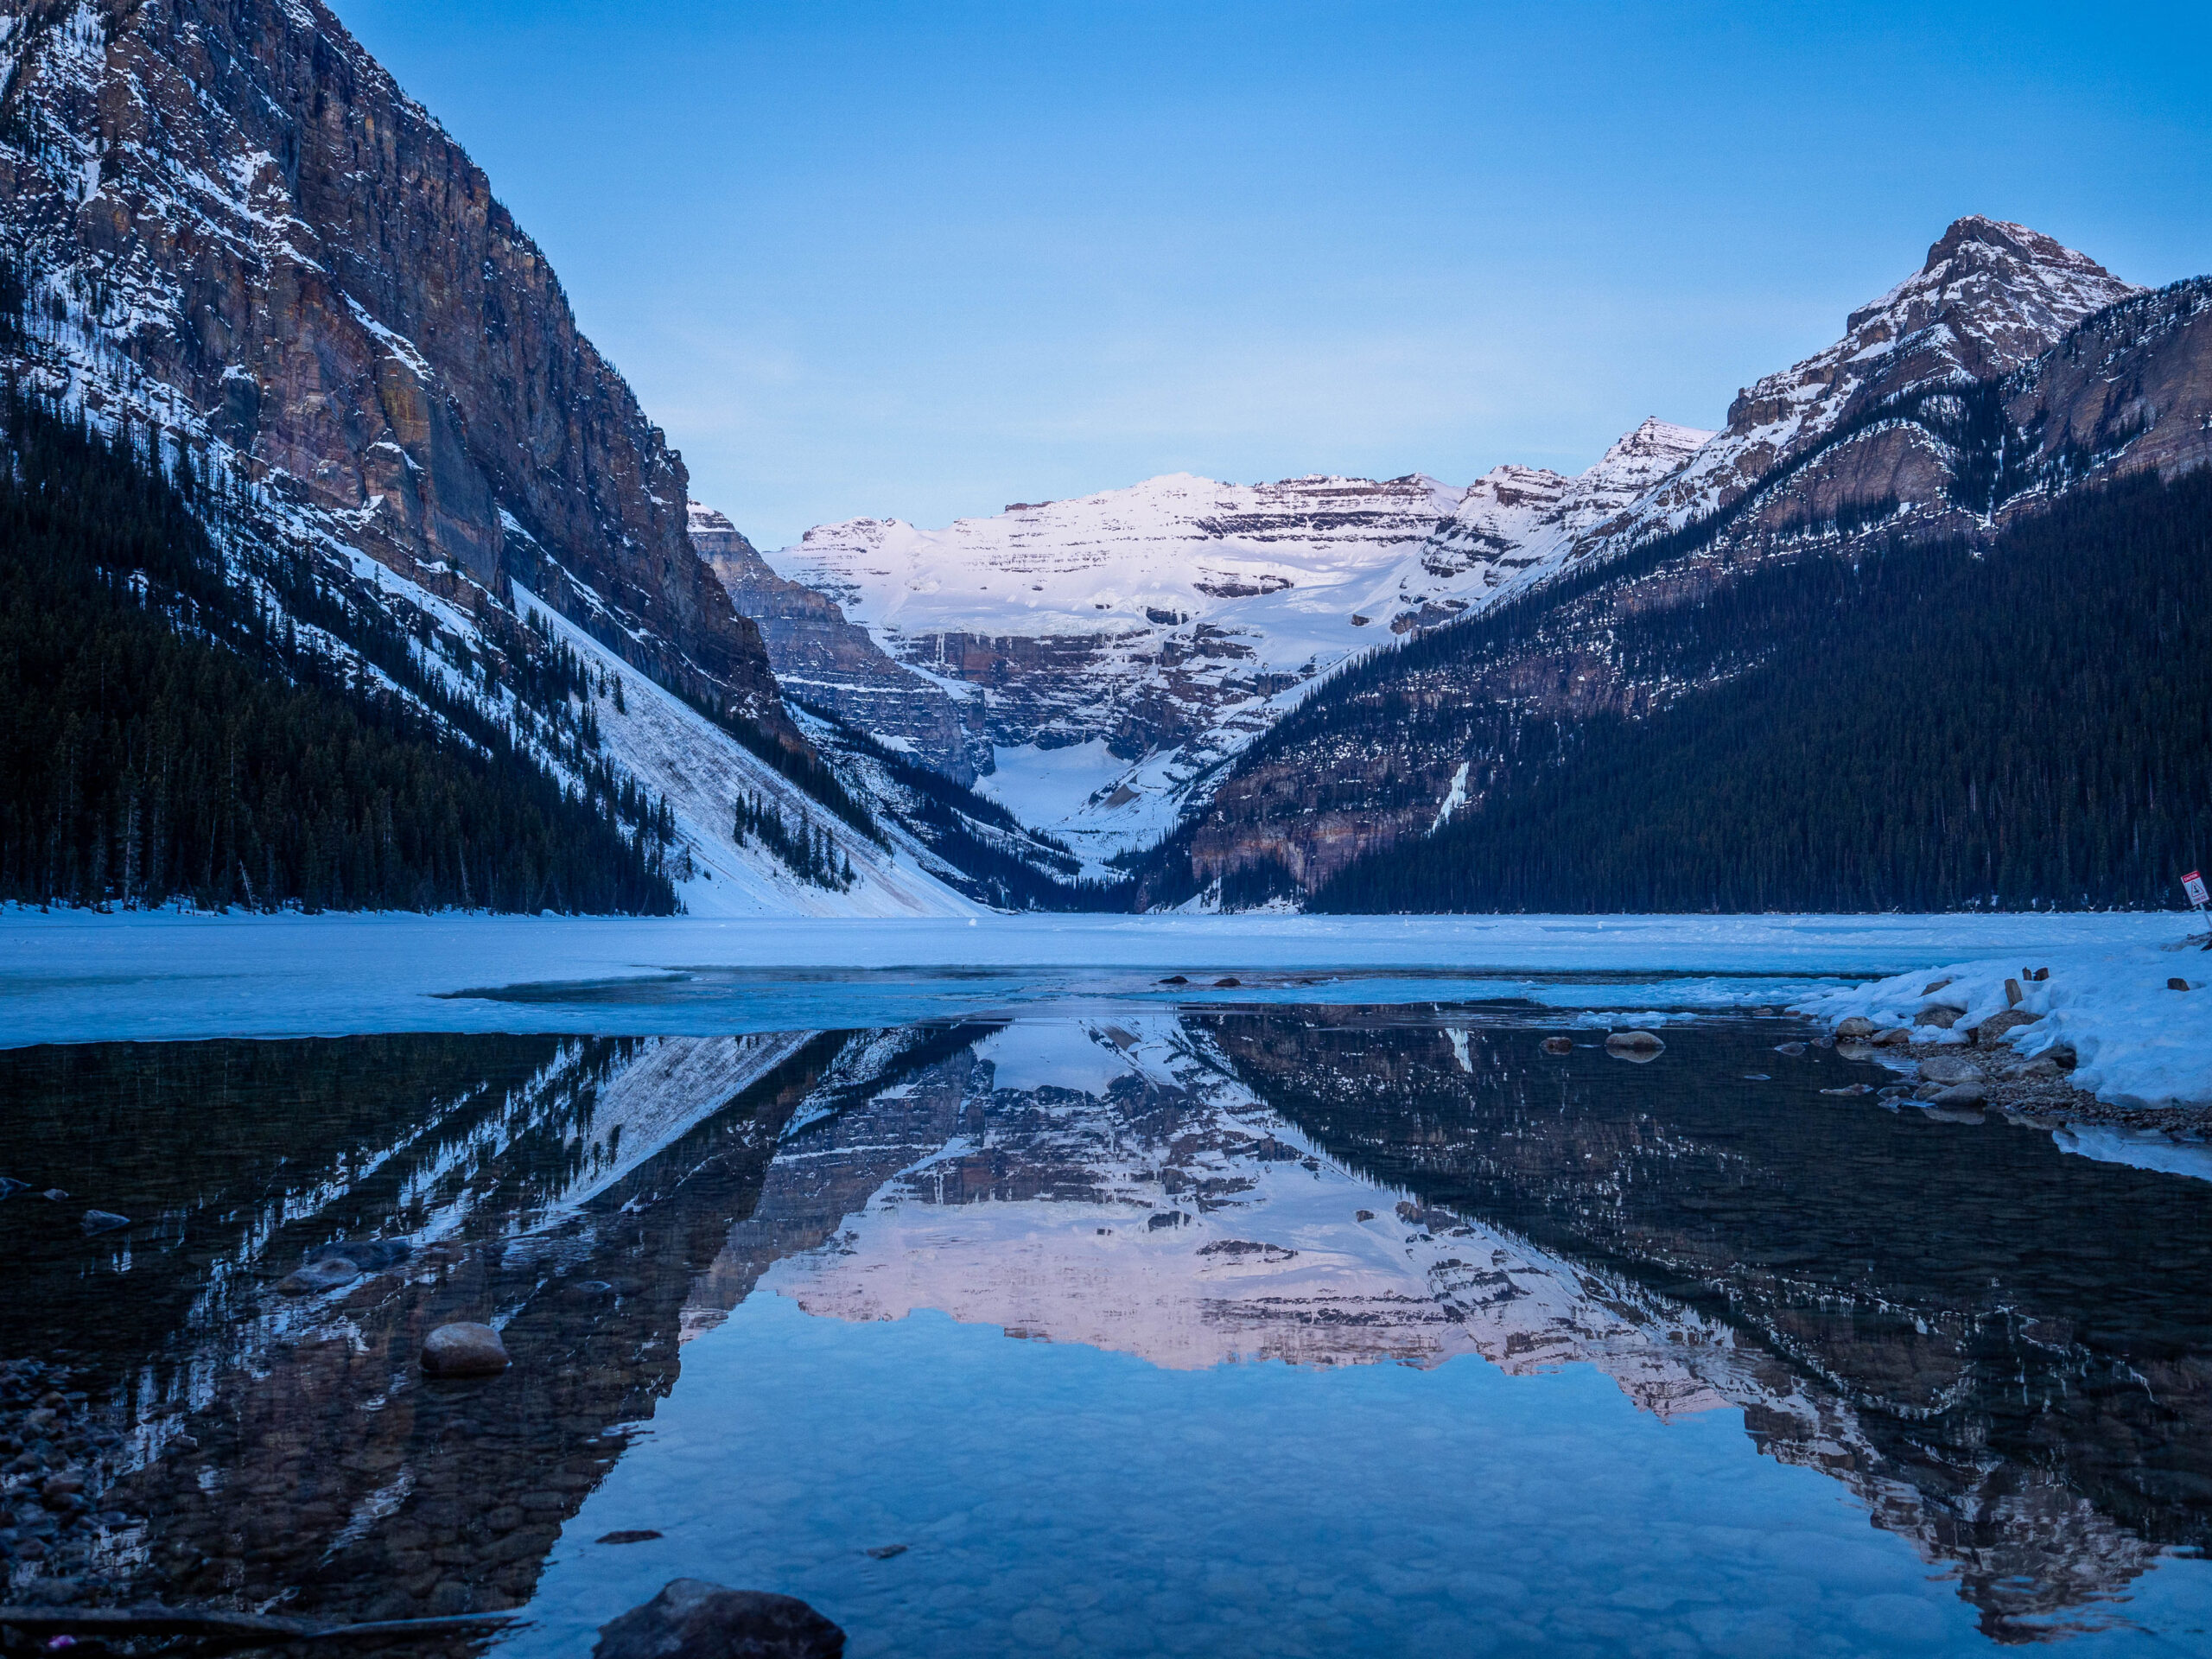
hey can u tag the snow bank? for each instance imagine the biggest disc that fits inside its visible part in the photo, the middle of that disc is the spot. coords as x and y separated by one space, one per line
2136 1041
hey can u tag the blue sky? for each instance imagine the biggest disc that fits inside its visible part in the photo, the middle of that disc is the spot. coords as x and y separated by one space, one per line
924 260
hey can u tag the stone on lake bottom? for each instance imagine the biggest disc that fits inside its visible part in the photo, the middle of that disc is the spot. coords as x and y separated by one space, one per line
629 1535
691 1618
1559 1045
464 1349
314 1277
104 1221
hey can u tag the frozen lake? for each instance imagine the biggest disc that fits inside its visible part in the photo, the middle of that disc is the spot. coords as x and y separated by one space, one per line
75 977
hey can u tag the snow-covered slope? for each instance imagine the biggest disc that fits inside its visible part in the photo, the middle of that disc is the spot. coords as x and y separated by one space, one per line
700 771
1112 650
451 476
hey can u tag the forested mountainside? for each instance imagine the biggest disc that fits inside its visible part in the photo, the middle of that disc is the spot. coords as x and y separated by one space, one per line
1448 724
238 250
239 201
184 726
1968 729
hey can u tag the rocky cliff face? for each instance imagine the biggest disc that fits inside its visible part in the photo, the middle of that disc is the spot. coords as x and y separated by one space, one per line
2008 370
823 659
1989 297
241 205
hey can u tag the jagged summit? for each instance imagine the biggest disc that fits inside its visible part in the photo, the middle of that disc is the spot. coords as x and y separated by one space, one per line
1990 296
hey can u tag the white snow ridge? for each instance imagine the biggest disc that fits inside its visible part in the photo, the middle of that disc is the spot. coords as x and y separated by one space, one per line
1114 649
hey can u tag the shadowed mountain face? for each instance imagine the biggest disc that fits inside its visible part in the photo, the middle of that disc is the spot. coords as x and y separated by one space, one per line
1998 1349
239 202
2005 374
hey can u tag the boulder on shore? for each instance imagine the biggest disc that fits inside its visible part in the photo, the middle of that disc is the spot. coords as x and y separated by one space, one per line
1857 1026
691 1618
464 1349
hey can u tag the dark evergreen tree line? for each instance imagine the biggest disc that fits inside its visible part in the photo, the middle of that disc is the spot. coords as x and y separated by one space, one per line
808 852
1930 727
171 733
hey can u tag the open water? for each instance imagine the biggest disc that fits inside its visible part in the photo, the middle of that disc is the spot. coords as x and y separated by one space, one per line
1109 1326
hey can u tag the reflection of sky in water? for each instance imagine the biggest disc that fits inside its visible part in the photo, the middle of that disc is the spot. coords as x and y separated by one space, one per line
1059 1499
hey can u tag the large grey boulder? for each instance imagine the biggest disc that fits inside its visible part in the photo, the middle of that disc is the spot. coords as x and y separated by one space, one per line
691 1618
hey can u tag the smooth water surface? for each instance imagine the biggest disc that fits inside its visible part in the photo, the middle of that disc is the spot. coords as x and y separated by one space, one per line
1118 1326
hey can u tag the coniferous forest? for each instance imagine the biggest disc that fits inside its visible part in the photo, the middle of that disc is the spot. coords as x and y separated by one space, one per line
1937 728
173 734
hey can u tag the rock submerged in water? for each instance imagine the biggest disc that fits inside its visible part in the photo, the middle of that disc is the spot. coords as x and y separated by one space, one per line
1559 1045
369 1254
464 1349
315 1277
691 1618
104 1221
1639 1046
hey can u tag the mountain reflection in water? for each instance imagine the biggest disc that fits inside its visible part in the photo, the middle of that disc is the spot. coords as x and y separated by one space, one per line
2000 1351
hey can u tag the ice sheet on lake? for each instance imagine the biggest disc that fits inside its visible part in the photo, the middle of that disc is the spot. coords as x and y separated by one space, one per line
80 977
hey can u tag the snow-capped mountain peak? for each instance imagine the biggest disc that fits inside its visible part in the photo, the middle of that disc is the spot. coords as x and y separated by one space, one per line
1109 651
1989 297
